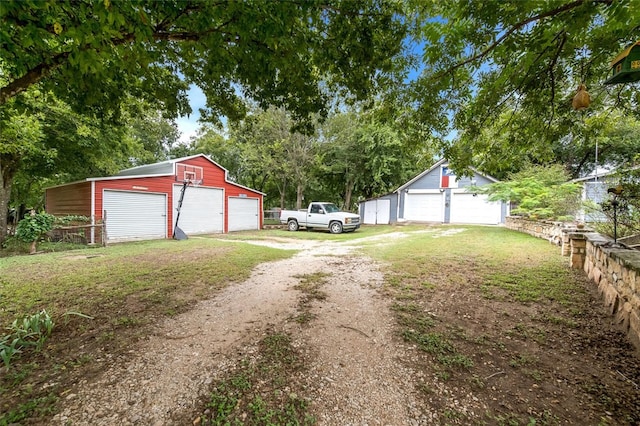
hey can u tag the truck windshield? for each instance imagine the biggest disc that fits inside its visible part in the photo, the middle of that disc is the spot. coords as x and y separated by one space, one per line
331 208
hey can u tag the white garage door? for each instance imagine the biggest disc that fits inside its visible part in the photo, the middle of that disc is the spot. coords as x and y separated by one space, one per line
377 212
244 214
426 207
135 215
467 208
202 210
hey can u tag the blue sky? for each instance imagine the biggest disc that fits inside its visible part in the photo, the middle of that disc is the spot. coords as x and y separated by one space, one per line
188 126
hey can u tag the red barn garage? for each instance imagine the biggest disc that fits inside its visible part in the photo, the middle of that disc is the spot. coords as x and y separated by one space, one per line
140 203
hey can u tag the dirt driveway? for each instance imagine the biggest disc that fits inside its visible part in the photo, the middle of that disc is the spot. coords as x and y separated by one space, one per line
358 370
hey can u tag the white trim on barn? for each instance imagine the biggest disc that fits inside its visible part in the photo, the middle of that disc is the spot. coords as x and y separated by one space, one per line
202 210
134 215
244 214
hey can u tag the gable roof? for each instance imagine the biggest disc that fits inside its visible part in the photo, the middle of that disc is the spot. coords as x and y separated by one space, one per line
166 167
162 168
441 162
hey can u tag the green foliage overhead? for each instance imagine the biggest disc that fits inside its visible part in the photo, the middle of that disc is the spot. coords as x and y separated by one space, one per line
95 53
513 66
539 192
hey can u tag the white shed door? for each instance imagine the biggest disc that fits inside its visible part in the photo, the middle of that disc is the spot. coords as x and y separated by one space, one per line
244 214
370 212
376 212
135 215
424 207
202 210
383 208
467 208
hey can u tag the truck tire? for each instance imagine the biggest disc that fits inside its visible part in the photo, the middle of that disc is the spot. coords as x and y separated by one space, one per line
292 225
335 227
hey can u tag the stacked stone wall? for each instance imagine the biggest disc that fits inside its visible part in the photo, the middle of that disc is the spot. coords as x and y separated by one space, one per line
616 272
614 269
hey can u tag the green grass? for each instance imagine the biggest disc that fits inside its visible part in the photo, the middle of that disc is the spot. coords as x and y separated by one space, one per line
107 296
260 391
427 271
153 271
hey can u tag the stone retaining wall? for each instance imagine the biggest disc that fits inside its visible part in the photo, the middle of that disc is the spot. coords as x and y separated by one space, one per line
614 269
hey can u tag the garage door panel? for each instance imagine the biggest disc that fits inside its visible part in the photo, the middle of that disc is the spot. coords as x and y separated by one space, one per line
470 208
383 212
202 209
370 212
135 215
424 207
244 214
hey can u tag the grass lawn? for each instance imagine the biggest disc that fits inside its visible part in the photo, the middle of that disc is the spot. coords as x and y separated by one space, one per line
493 313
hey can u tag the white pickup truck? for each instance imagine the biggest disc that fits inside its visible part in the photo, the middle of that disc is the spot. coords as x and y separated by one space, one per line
320 215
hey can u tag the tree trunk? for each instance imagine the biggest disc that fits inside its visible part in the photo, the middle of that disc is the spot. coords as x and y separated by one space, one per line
299 196
348 191
283 193
5 196
33 247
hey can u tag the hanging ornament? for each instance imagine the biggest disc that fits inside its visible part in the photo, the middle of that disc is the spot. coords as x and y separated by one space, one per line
582 99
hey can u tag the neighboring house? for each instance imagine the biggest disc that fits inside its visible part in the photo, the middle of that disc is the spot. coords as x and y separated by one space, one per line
436 195
141 203
594 193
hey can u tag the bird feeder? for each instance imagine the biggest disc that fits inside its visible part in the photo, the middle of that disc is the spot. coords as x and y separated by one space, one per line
626 66
582 99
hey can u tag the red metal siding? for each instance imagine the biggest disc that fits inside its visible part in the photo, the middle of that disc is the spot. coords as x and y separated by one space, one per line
72 199
236 191
160 184
213 177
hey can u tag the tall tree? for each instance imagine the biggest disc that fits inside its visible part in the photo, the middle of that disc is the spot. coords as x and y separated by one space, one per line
94 52
519 59
94 55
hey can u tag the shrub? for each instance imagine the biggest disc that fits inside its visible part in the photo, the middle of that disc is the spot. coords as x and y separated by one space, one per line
539 192
33 226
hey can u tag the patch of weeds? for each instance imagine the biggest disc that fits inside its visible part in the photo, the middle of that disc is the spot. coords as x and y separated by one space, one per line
558 320
477 382
455 361
426 389
522 360
255 393
437 344
428 285
16 376
524 332
125 321
36 407
418 322
82 360
107 336
500 346
452 414
534 374
443 376
508 419
309 285
304 317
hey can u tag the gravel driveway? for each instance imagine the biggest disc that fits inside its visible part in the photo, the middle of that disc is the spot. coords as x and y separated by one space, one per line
354 376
